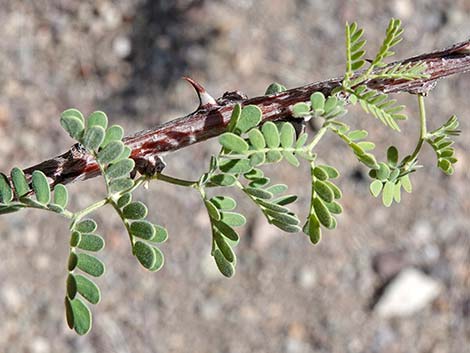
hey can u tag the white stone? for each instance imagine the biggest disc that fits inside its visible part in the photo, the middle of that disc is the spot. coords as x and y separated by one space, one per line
122 47
408 293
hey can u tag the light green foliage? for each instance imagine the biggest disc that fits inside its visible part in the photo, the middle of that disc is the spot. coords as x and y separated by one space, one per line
247 145
441 142
323 201
354 83
274 88
354 49
320 107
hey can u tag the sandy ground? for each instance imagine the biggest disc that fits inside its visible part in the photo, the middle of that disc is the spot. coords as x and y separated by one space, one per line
126 57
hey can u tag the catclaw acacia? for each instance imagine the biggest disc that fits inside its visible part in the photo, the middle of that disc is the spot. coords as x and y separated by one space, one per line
251 135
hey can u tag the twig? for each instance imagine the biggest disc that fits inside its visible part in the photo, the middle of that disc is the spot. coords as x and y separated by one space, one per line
213 115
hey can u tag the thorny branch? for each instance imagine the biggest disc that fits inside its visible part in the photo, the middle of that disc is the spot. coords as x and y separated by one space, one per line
213 115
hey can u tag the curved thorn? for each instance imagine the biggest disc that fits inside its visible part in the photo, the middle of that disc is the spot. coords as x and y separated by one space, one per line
205 99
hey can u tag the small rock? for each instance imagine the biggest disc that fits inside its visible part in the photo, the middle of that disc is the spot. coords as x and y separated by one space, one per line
403 8
40 345
306 278
122 47
388 264
408 293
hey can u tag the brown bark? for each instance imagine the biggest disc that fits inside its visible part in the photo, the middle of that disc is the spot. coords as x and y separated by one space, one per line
210 120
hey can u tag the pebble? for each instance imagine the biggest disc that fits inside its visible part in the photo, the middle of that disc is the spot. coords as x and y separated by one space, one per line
307 278
389 263
408 293
40 345
122 46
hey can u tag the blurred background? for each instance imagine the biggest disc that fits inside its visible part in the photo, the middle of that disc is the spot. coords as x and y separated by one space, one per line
127 57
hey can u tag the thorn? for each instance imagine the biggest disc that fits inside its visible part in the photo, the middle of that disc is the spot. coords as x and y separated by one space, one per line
205 99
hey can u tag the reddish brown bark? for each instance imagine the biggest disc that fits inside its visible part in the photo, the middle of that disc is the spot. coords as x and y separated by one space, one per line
211 120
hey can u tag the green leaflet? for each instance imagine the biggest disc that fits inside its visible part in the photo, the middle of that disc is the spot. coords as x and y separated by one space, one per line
223 179
6 194
93 137
300 110
406 183
322 212
19 182
317 101
314 229
233 219
271 134
88 289
135 210
86 226
274 88
75 238
91 242
97 118
259 193
114 133
320 173
90 265
124 200
111 152
226 230
61 195
392 156
78 315
376 187
122 184
41 187
323 190
225 267
161 234
388 192
212 210
72 125
250 117
235 166
142 229
287 135
233 142
145 254
224 202
71 285
234 117
120 169
256 139
159 260
224 247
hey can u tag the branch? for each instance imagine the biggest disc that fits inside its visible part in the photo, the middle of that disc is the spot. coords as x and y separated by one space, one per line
212 116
